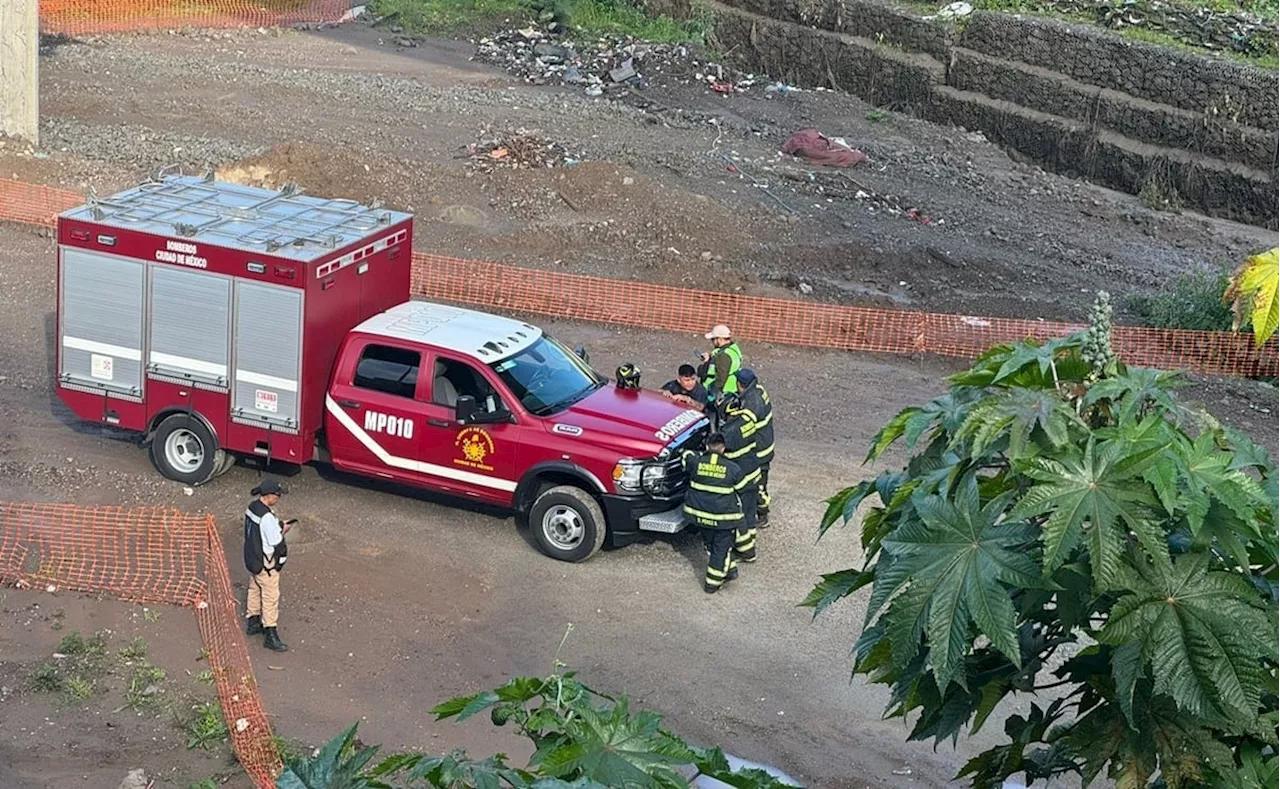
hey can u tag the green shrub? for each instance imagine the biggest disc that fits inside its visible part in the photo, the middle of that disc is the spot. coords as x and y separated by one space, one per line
1192 301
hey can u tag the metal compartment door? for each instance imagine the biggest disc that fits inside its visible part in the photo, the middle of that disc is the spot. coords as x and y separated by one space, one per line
190 325
268 354
101 327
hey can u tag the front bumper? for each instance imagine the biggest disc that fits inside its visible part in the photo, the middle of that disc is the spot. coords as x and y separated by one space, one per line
630 517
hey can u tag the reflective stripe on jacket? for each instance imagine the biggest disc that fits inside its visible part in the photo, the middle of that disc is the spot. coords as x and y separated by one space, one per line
740 445
759 411
714 484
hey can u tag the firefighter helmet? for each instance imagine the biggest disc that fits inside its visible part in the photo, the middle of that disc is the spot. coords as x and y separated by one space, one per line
628 376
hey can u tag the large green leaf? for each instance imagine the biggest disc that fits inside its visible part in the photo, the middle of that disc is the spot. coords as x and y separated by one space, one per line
835 586
1015 415
1137 390
1203 633
1090 497
337 766
963 553
1206 474
615 748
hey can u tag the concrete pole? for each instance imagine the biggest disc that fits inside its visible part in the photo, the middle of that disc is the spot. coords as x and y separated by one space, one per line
19 69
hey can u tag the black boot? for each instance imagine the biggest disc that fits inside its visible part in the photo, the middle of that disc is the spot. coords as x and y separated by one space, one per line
762 519
273 642
253 625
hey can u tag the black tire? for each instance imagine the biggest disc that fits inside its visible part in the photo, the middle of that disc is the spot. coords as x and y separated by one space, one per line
225 462
567 523
185 436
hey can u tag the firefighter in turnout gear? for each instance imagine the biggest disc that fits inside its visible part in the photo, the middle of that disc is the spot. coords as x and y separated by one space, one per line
740 447
713 502
265 553
759 412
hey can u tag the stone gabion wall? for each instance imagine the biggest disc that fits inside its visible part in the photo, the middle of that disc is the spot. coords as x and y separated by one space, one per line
1077 99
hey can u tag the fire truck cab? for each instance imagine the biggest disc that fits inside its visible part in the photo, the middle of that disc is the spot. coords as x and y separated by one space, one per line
220 321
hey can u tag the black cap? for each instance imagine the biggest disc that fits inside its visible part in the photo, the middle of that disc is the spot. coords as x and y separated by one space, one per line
269 486
746 377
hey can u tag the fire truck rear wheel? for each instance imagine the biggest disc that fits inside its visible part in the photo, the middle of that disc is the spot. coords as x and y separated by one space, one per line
184 450
567 523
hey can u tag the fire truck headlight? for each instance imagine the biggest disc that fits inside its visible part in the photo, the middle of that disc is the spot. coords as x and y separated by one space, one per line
626 475
654 477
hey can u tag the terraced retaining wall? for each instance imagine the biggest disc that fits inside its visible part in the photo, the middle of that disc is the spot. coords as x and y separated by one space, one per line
1077 100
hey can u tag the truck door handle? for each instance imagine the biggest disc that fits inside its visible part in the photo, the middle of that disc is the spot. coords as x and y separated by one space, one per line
348 404
438 422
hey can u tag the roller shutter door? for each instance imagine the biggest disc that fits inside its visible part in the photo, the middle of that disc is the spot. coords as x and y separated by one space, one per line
101 328
268 354
190 325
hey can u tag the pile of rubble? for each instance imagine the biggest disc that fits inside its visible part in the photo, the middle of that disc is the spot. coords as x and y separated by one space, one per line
606 63
516 150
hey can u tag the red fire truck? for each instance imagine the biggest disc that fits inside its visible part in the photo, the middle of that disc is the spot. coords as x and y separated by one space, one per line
222 321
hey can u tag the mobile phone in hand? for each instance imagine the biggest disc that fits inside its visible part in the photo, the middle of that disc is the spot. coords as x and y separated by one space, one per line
291 521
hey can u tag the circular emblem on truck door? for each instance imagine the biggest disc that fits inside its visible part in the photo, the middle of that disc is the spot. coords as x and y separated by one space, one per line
474 445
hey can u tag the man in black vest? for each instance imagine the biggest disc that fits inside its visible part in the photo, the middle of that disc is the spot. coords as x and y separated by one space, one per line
265 553
712 503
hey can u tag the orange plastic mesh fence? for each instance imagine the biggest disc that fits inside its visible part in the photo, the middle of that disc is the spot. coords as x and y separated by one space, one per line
756 318
810 324
75 17
148 555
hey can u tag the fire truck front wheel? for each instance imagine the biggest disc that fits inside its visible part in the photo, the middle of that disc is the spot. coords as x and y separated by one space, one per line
184 450
567 523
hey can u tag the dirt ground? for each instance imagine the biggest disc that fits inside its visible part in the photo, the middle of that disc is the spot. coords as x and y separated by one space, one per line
398 600
53 739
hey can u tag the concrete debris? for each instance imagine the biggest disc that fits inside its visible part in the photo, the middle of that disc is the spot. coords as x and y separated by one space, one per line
608 63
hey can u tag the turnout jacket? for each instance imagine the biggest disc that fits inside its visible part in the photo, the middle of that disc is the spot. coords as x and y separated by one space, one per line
740 446
759 413
712 500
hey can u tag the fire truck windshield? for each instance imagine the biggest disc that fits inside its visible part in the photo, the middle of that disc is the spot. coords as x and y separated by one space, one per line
547 377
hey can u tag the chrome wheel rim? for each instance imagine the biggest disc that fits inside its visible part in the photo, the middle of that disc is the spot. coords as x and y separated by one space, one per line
184 451
563 527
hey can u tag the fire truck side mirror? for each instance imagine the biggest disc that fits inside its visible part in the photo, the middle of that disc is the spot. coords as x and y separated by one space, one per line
465 410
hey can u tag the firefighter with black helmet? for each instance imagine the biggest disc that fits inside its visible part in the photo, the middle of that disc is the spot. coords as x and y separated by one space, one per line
740 447
713 502
759 411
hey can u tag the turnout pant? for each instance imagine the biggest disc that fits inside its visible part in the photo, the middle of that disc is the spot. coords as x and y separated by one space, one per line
765 498
264 595
719 544
744 546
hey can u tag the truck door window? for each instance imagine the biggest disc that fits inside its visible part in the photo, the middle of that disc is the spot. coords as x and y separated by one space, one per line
386 369
453 378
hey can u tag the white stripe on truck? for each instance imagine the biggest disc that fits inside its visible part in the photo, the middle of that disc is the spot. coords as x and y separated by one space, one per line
410 465
106 349
269 381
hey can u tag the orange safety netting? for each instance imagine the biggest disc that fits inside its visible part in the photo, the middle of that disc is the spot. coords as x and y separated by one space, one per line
756 318
76 17
148 555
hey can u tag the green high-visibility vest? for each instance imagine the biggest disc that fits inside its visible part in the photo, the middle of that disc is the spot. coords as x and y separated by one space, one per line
735 363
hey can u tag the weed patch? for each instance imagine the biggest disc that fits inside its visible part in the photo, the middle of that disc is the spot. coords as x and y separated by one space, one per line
598 17
75 645
77 689
134 650
47 679
144 687
205 727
